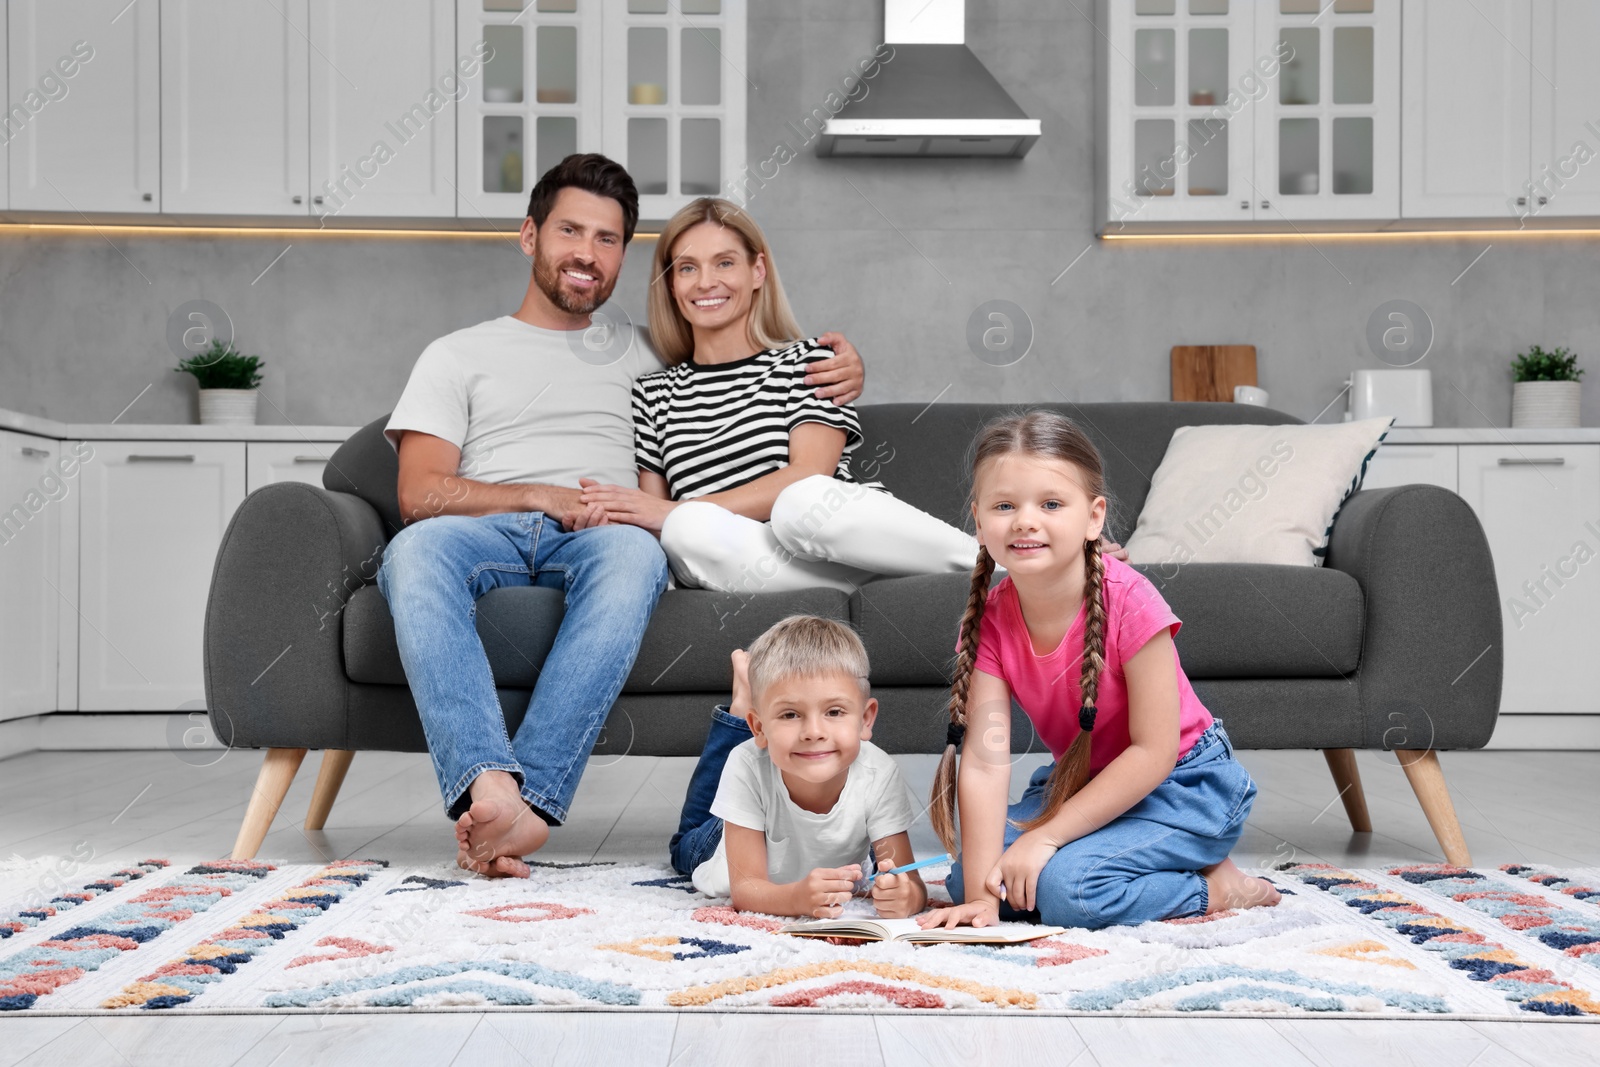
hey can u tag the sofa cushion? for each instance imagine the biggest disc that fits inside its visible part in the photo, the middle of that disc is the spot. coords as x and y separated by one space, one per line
1240 620
685 648
1252 494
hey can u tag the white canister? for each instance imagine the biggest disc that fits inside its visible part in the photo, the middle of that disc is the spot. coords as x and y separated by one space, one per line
1545 405
1250 394
228 407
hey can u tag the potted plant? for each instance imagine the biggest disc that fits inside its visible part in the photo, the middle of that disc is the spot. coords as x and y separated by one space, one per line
227 383
1545 393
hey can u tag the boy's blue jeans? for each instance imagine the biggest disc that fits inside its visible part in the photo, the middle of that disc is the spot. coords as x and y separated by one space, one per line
1144 864
699 831
432 575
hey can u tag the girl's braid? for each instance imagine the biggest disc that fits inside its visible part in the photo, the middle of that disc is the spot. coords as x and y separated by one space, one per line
942 811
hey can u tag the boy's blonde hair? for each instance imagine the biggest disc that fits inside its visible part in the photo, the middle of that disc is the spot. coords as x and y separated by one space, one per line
807 646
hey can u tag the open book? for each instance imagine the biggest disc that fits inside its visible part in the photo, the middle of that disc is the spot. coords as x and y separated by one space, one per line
907 930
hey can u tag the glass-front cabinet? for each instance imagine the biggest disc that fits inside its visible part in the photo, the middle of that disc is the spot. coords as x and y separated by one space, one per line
1328 133
657 85
537 98
1250 110
674 96
1177 146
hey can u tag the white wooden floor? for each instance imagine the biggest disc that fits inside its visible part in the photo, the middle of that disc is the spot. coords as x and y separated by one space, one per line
1514 806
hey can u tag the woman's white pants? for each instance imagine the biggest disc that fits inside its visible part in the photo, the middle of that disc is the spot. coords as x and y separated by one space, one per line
823 532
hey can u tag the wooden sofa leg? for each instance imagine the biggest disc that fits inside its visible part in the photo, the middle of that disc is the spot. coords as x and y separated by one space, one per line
1347 776
1427 781
335 762
272 784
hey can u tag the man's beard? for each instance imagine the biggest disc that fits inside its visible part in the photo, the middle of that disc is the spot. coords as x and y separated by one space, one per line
547 275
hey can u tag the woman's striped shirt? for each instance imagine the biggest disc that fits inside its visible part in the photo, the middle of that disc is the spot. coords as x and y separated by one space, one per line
710 427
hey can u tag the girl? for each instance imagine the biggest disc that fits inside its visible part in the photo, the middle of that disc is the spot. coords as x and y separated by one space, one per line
743 473
1135 818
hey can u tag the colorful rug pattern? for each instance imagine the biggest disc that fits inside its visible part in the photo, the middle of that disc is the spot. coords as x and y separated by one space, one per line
1432 941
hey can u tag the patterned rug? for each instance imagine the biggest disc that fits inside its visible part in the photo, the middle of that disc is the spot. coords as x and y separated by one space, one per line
1427 941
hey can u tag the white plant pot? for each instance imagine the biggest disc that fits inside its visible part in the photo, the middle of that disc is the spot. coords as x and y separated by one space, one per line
1544 405
228 407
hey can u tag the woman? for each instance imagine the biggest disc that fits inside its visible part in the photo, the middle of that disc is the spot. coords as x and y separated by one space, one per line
743 473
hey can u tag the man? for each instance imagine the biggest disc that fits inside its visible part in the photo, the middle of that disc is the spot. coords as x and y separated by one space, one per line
496 425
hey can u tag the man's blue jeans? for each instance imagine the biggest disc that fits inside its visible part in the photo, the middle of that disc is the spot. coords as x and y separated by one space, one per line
699 831
1145 863
432 575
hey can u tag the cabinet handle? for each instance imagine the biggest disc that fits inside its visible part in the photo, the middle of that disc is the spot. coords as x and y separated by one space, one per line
148 197
1522 201
1244 205
316 199
298 198
160 459
1543 200
311 459
1546 461
29 450
1266 205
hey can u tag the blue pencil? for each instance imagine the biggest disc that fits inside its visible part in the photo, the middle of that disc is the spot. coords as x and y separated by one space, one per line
943 857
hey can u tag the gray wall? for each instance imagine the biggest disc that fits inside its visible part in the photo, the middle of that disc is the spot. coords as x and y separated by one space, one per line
898 262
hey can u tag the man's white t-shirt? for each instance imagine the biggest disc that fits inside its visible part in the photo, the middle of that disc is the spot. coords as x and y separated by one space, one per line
873 805
522 405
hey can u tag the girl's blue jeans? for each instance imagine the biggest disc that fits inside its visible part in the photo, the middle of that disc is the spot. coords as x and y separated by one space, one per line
433 573
1144 864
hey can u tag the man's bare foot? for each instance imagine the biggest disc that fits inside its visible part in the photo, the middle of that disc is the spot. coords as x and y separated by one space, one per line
1230 888
498 829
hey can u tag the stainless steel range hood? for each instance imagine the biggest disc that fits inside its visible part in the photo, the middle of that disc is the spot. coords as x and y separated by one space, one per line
933 98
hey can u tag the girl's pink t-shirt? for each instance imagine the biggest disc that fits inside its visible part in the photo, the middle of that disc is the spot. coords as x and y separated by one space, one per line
1047 686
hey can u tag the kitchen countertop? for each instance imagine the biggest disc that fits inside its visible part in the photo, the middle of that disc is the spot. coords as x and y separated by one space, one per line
1490 435
150 431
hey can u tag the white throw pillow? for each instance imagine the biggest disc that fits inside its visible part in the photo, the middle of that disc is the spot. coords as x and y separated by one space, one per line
1252 494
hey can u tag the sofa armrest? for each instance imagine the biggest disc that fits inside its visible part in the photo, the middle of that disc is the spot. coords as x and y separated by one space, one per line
274 663
1432 650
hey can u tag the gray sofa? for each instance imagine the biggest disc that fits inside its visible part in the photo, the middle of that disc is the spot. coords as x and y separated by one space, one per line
1367 651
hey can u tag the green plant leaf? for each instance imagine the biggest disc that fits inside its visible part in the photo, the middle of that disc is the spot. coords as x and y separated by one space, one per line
222 367
1537 365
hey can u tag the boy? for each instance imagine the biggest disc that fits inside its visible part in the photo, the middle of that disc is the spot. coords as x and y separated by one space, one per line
800 790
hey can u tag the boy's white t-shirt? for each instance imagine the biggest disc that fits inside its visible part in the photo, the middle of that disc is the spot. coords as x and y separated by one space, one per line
527 405
873 805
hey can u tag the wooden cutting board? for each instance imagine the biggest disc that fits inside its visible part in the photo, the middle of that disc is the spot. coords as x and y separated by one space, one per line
1209 372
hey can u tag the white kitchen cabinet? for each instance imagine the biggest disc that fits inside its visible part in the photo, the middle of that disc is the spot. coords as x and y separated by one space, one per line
5 150
1412 464
286 461
1540 508
1238 111
1564 168
1327 132
383 113
657 85
87 75
234 110
674 97
536 100
32 487
1466 107
1179 133
153 515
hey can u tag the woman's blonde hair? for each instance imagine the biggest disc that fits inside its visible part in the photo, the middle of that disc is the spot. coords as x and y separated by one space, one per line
806 646
1046 435
771 323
